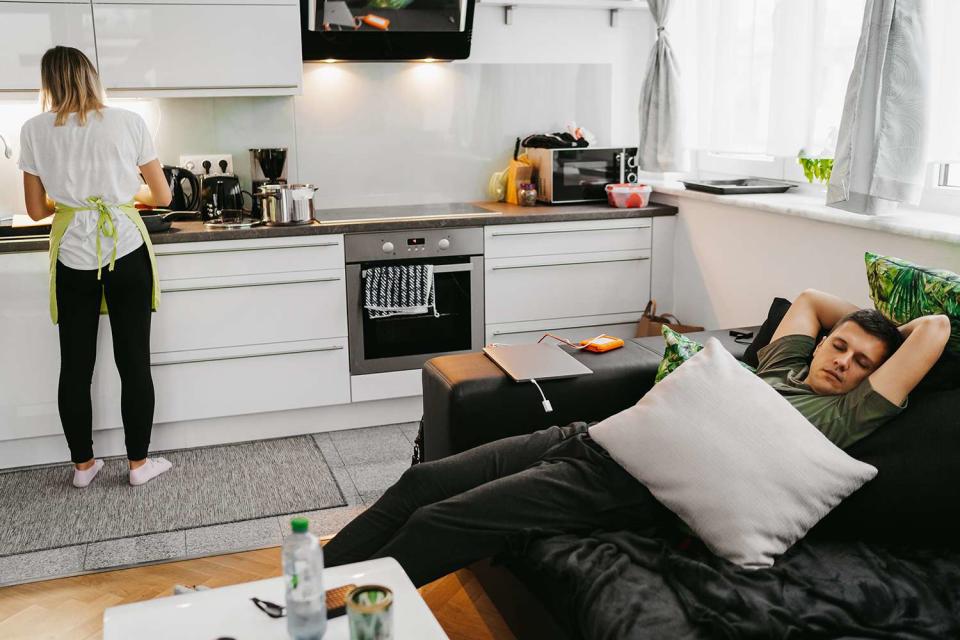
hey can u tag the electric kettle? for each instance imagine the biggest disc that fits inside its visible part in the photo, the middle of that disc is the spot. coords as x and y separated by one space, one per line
186 197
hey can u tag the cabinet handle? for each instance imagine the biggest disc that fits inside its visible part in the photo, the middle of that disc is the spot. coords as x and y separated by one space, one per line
452 268
536 233
256 86
564 264
249 284
251 355
579 326
236 249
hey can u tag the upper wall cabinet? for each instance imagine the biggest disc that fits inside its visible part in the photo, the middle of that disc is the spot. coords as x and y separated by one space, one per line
30 28
199 49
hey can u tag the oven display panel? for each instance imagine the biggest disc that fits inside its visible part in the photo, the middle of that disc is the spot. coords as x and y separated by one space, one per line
416 242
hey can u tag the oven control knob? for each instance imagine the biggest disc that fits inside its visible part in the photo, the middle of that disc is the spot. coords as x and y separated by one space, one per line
444 243
387 247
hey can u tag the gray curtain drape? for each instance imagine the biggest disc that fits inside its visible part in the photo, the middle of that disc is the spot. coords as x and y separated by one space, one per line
660 147
880 146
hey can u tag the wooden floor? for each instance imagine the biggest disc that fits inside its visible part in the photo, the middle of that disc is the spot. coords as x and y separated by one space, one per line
69 608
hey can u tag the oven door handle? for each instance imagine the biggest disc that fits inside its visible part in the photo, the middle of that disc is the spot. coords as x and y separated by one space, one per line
452 268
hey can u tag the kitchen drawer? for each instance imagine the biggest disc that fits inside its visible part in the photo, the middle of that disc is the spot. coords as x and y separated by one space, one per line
511 240
275 377
622 326
566 286
211 313
242 257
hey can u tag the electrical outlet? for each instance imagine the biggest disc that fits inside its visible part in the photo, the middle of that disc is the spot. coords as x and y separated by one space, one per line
194 163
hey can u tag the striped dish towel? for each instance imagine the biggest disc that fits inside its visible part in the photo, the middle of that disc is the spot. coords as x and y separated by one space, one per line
399 290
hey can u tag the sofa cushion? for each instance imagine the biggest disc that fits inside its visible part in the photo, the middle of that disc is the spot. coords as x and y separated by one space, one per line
468 400
902 291
915 497
762 337
731 457
678 349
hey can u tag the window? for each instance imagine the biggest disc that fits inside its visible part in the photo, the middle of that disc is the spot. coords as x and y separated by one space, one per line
949 175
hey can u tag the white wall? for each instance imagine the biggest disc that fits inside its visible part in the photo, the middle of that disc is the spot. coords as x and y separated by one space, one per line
731 262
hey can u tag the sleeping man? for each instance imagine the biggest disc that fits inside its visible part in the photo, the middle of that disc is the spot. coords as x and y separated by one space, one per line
442 515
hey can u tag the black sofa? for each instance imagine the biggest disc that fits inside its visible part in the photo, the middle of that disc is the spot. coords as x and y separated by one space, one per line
883 564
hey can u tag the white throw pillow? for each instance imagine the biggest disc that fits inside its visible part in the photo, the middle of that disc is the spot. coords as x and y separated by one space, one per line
731 457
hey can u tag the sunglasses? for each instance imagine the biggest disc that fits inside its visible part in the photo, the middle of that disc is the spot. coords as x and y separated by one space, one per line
271 609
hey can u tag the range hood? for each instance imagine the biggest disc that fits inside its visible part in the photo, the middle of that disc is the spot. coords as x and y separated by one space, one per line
373 30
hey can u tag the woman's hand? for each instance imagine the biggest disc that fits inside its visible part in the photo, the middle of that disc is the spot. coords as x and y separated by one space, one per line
156 192
39 206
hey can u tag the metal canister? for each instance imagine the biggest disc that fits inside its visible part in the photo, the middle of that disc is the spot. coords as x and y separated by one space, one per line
370 613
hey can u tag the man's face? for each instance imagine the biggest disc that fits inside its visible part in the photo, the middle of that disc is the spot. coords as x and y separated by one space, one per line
844 358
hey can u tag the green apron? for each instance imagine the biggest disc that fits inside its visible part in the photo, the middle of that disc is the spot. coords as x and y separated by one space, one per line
61 221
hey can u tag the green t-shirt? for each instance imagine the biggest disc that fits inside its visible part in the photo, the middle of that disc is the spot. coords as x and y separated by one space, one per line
845 418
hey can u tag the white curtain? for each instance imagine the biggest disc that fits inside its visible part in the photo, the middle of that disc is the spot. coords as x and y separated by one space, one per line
660 147
765 76
880 157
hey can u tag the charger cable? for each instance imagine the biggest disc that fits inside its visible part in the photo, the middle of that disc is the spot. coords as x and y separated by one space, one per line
546 403
568 342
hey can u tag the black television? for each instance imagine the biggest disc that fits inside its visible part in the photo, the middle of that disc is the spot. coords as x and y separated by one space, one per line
386 29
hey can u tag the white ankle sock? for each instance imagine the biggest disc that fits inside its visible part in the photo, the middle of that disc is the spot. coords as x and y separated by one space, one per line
82 478
149 470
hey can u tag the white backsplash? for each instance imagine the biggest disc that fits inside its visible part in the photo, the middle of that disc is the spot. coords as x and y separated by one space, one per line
379 134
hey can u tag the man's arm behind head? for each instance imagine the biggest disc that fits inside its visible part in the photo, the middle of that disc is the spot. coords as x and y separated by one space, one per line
925 340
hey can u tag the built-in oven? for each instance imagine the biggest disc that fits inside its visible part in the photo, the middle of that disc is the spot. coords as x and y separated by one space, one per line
401 342
581 175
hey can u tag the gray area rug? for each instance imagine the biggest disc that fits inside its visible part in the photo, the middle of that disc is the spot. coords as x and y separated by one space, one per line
212 485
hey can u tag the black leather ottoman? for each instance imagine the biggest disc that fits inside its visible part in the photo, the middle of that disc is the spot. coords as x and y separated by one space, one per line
469 401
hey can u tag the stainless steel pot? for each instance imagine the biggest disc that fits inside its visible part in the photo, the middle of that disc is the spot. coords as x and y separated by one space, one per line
286 204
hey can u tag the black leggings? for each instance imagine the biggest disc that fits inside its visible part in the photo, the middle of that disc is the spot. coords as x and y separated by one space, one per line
128 290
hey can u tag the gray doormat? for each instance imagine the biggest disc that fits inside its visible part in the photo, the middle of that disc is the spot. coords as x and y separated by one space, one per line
211 485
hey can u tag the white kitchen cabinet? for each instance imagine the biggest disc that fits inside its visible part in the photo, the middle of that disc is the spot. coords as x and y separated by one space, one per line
550 238
566 285
199 48
620 325
225 312
30 28
29 348
255 379
575 279
217 258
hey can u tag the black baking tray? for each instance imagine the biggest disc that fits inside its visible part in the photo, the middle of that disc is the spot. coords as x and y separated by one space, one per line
734 186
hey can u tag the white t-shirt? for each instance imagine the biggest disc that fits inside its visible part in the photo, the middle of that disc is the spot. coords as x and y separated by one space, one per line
76 162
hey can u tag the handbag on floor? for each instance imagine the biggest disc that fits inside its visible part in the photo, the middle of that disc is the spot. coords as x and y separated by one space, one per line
650 323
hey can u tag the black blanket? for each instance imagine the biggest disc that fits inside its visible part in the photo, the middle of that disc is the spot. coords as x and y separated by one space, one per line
620 585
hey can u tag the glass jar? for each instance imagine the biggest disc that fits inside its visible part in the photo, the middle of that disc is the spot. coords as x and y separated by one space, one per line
527 194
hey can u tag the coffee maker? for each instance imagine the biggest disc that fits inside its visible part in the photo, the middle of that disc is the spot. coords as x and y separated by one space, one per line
267 166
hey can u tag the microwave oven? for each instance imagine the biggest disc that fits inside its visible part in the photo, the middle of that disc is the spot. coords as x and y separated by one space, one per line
581 175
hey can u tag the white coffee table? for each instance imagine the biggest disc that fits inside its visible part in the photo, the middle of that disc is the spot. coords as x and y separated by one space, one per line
228 611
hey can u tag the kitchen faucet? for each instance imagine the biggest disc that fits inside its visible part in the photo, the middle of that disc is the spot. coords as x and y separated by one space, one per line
7 151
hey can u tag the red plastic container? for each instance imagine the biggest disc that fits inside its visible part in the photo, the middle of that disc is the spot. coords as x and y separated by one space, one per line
628 196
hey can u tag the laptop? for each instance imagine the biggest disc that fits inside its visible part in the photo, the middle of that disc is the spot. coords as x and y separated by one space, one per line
538 361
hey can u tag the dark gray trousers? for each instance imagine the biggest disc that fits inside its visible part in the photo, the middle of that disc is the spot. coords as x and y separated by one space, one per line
442 515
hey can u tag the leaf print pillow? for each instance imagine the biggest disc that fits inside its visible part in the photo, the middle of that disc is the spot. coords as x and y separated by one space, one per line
679 349
902 291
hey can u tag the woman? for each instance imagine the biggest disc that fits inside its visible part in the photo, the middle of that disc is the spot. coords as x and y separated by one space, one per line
79 160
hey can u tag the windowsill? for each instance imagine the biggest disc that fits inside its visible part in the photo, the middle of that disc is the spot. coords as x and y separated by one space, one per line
807 202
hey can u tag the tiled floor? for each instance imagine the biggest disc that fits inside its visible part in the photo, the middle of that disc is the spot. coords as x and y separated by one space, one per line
364 462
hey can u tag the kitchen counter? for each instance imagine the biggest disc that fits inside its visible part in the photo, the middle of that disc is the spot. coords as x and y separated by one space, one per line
509 214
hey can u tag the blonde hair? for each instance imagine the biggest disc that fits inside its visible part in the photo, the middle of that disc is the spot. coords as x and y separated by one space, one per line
69 83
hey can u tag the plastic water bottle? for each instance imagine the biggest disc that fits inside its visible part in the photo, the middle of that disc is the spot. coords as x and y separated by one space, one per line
303 575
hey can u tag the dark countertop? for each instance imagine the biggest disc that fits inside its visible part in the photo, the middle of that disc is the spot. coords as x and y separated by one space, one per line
510 214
